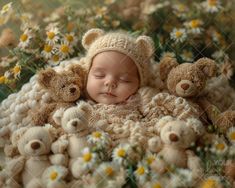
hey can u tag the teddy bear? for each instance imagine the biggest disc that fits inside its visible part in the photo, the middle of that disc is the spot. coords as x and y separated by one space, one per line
75 123
65 88
34 146
175 137
188 80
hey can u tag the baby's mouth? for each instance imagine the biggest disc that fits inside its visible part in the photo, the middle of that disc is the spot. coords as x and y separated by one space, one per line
109 94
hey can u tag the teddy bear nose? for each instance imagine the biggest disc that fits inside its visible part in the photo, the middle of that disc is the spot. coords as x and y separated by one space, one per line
74 123
72 90
35 145
185 86
174 137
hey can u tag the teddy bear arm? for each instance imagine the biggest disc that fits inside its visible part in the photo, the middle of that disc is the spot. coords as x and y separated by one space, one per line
194 164
59 146
15 166
155 144
40 117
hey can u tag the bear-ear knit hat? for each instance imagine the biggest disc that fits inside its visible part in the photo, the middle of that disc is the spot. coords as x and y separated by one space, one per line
140 49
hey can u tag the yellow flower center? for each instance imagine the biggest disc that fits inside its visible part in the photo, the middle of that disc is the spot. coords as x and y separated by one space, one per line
6 7
96 134
121 153
150 160
157 185
16 69
109 171
47 48
232 136
212 2
195 23
55 58
220 146
2 79
69 38
140 170
87 157
64 48
53 175
23 37
178 34
50 35
209 184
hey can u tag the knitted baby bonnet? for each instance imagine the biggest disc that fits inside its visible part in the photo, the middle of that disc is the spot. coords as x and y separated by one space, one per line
139 49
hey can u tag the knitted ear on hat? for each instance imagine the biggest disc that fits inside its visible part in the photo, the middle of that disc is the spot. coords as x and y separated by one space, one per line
90 36
208 66
146 45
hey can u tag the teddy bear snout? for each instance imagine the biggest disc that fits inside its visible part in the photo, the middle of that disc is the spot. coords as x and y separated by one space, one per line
173 137
35 145
72 90
184 86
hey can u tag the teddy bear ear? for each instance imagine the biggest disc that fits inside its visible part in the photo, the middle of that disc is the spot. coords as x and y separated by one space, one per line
162 122
166 65
208 66
84 106
90 36
146 45
45 77
196 125
52 131
16 135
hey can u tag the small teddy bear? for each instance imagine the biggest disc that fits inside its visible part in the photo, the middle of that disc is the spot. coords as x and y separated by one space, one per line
175 137
34 145
65 88
188 80
74 122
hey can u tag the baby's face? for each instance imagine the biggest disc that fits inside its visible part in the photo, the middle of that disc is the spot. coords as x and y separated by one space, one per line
113 78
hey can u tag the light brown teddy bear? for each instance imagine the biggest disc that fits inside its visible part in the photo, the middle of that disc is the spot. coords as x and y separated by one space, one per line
74 122
65 88
34 145
176 136
188 80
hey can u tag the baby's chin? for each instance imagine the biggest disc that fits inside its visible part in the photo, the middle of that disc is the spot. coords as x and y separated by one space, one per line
108 101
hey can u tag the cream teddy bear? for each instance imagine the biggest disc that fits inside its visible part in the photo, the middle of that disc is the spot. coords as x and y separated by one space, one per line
34 145
175 137
74 122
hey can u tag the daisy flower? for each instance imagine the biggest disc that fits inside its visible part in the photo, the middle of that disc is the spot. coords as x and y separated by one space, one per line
219 146
99 138
64 49
149 158
16 70
6 8
2 79
178 35
187 56
141 173
212 6
54 60
25 39
89 159
231 135
120 154
54 173
231 151
180 10
211 182
100 11
71 39
194 26
47 51
106 170
52 35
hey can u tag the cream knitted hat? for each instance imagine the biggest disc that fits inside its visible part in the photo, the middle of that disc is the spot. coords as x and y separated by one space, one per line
138 49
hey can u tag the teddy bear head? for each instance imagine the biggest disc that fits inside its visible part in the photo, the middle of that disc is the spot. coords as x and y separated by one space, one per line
65 86
34 141
179 133
75 119
186 79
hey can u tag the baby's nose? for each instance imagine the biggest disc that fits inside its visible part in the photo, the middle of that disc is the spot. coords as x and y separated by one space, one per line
110 83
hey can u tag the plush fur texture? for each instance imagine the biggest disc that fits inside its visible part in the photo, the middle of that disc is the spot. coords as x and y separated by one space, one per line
65 88
189 80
